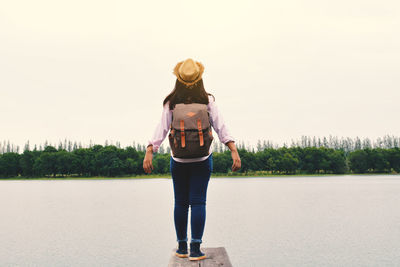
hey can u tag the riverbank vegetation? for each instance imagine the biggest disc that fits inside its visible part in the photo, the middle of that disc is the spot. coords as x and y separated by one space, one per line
307 156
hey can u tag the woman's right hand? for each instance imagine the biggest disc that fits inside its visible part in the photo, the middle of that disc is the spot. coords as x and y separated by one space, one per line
148 159
236 161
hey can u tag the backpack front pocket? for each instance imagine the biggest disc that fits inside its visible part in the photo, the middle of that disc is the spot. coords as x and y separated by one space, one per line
194 147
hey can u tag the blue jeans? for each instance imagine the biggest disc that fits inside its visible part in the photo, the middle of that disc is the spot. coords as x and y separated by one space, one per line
190 181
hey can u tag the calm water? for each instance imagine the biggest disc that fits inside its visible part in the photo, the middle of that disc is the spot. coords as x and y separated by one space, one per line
307 221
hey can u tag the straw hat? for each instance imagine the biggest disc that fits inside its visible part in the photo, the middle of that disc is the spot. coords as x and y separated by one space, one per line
189 71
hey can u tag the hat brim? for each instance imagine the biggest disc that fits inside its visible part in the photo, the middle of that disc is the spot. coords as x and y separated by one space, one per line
199 77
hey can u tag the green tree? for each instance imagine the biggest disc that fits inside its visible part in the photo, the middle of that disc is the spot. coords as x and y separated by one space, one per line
221 162
46 164
393 156
65 162
377 160
247 160
315 159
289 163
132 161
26 162
161 163
337 161
83 162
108 162
9 164
358 161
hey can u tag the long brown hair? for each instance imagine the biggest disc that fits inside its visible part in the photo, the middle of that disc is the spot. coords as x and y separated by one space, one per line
182 94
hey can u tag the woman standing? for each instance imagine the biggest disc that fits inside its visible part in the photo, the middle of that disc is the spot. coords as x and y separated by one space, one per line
191 160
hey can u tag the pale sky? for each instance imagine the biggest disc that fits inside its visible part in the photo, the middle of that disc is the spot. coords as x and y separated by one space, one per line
100 70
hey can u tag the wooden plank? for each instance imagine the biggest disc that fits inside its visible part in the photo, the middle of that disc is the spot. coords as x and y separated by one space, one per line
214 257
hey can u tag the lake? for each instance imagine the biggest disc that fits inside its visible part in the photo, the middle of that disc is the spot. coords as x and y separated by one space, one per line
349 220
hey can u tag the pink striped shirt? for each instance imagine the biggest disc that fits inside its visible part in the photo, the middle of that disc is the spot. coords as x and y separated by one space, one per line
216 121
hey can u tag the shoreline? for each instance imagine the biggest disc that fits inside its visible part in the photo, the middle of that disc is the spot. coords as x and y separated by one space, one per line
152 176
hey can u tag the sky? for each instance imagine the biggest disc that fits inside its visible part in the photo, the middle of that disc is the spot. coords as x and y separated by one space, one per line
99 70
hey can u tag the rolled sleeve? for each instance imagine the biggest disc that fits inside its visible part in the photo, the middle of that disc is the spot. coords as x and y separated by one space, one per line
218 123
162 128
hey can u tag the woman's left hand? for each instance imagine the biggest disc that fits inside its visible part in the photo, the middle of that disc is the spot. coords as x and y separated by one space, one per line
148 160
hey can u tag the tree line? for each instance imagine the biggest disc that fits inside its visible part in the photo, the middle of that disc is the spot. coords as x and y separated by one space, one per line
112 161
346 144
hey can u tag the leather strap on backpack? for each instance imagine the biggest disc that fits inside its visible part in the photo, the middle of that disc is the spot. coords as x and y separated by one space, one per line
200 132
182 133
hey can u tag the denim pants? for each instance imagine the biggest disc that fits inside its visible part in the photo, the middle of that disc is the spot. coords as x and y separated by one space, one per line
190 181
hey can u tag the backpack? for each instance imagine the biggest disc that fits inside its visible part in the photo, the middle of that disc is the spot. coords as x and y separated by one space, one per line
190 131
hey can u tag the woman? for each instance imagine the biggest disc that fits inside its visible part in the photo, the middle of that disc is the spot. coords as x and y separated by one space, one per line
190 175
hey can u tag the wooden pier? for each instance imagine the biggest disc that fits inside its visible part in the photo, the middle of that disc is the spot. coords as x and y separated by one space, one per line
214 257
